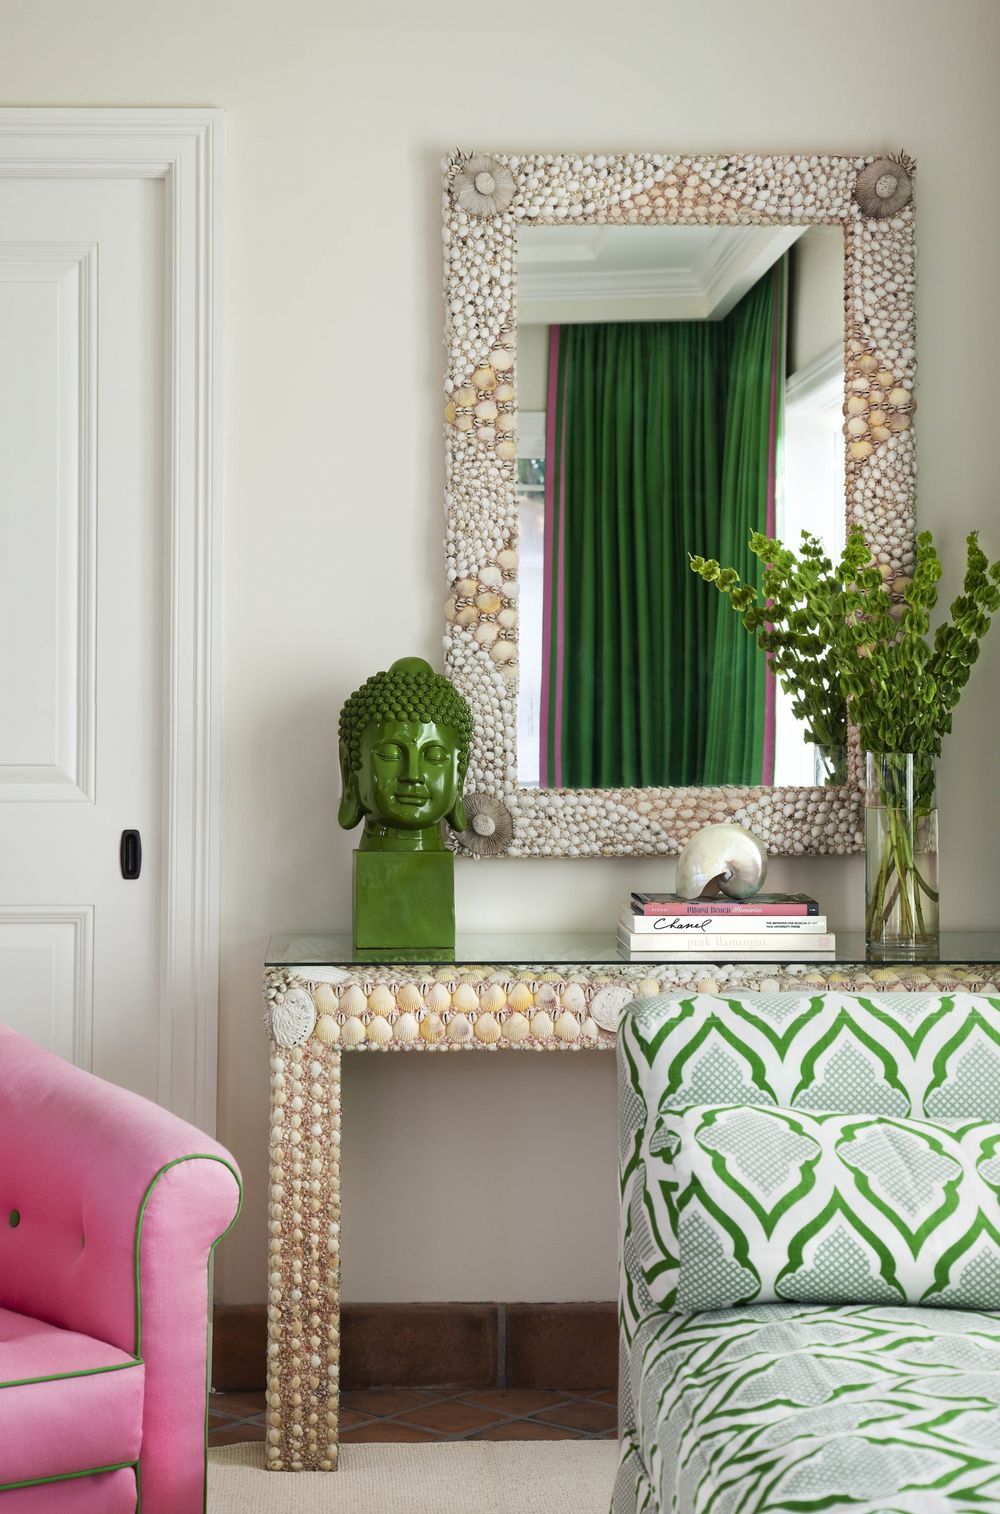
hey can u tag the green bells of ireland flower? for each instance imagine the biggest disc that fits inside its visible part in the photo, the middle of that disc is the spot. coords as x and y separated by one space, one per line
791 618
851 649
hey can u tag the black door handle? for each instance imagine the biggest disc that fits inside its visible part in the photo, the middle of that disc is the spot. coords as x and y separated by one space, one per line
130 854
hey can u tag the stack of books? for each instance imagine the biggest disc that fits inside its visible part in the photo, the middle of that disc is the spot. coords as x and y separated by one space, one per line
766 928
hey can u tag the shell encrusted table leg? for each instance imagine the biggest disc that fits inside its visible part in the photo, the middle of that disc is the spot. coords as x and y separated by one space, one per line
303 1316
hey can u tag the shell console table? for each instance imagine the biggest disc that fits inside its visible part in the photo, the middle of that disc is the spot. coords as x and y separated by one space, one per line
501 993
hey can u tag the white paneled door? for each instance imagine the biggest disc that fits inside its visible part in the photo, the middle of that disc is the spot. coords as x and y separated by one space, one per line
81 485
93 607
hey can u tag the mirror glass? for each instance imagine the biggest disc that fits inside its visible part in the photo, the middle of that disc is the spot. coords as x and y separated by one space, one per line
679 387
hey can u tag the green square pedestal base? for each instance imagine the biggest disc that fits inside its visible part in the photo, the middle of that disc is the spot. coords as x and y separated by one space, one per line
404 901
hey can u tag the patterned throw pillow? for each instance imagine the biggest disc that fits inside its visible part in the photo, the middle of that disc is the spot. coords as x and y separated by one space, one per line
779 1205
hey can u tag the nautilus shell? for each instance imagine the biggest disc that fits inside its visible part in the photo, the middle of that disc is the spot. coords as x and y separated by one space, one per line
722 858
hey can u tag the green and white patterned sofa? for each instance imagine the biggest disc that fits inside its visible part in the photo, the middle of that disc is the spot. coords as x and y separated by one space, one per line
878 1408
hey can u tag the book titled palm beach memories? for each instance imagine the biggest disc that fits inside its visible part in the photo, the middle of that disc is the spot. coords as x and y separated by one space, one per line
784 906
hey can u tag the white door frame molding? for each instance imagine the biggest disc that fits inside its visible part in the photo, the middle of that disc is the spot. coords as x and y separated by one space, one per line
184 148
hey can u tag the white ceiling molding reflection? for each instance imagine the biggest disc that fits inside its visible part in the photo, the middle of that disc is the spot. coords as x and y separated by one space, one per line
679 273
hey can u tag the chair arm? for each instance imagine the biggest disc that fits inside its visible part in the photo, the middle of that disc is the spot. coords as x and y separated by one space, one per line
110 1209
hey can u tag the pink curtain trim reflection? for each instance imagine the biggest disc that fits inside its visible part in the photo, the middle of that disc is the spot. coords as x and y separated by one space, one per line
555 542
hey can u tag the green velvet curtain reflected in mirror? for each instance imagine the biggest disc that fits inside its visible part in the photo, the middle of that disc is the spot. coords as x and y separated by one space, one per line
662 440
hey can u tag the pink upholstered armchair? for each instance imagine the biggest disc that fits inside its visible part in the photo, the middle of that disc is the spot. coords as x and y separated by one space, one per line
110 1209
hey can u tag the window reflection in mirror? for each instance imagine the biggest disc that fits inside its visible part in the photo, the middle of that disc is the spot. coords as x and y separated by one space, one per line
679 387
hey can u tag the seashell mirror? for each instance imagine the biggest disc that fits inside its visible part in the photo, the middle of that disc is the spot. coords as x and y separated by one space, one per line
651 356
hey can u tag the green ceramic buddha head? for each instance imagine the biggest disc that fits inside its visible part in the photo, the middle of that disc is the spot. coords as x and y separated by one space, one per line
404 750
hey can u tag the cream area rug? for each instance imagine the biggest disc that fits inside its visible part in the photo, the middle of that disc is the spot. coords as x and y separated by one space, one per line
470 1477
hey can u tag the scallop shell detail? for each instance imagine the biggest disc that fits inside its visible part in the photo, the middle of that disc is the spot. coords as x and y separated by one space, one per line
515 1028
557 1011
574 998
381 1001
607 1004
465 998
438 998
884 187
324 999
352 1032
353 1001
407 1027
490 825
487 1030
408 997
880 404
519 996
483 186
292 1018
379 1031
493 998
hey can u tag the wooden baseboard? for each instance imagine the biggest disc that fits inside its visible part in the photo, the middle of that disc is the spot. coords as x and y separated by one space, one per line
569 1346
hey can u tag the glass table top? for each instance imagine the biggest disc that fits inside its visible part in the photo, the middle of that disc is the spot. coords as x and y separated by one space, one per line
599 948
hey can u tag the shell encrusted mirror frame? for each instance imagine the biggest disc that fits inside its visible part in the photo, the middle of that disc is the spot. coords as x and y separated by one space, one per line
486 199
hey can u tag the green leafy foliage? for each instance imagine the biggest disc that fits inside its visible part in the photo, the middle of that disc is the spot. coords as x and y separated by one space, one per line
901 685
846 647
793 619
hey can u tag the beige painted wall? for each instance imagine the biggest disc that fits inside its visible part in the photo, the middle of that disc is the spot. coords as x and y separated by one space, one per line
487 1177
532 366
816 317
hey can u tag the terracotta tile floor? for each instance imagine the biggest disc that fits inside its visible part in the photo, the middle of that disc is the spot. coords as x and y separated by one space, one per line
424 1414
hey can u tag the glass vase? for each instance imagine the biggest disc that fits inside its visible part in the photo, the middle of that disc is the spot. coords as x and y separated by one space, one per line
829 766
901 856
